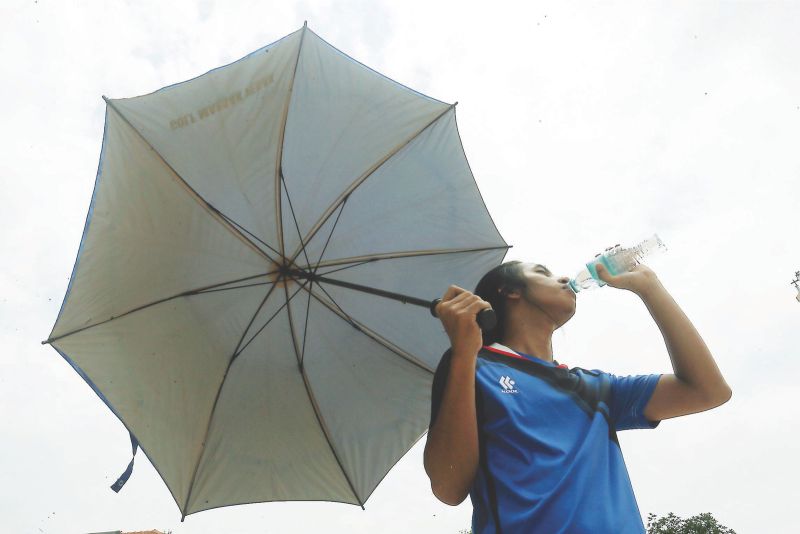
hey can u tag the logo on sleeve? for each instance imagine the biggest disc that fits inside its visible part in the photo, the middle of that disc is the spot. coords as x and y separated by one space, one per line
507 384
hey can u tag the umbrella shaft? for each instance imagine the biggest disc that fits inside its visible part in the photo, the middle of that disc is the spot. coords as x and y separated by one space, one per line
366 289
486 318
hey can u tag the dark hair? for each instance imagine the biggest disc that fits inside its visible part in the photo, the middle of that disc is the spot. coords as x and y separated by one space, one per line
493 288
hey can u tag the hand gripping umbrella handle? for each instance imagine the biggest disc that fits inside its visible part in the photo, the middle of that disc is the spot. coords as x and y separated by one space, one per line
486 318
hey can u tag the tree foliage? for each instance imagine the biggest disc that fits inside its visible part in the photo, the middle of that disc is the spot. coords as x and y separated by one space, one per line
698 524
672 524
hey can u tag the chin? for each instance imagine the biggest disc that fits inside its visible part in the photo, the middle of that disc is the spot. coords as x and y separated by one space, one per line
565 321
567 315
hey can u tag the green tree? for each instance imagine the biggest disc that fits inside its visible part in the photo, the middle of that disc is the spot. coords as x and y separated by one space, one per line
698 524
672 524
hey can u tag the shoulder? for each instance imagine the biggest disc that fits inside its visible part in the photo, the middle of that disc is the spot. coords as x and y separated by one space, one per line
443 367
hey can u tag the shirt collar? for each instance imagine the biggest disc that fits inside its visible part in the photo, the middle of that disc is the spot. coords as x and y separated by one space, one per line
502 349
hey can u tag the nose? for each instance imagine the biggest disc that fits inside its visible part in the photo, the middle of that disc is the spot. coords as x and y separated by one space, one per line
564 280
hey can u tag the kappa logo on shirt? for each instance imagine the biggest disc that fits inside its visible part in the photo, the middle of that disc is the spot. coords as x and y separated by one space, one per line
508 385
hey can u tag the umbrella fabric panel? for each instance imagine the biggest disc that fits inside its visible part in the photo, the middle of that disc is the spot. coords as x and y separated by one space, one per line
145 238
160 369
344 119
370 398
423 198
404 325
221 132
265 442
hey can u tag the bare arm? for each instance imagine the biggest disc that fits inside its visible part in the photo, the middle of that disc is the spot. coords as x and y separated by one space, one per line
451 451
697 383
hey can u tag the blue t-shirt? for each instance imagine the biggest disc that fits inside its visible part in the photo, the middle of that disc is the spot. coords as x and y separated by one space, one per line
550 461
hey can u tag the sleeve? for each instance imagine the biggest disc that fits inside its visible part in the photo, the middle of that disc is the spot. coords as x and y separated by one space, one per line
439 383
628 399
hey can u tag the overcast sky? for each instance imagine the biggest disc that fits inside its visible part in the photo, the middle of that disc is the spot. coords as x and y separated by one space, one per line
585 124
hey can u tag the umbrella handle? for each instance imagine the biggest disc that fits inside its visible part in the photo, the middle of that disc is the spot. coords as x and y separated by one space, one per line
486 318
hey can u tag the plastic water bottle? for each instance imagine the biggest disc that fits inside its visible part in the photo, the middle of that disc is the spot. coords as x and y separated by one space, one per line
616 260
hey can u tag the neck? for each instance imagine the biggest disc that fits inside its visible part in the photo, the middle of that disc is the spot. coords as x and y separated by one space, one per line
534 338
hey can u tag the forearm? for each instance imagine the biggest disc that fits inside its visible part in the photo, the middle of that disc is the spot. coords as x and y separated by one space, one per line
692 362
451 451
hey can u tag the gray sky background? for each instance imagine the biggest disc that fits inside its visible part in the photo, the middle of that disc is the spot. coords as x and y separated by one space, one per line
586 125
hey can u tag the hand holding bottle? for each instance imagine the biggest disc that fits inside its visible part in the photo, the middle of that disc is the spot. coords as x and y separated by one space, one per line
615 261
639 280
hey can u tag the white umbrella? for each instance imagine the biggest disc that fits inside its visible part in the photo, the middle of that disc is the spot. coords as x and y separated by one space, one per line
220 303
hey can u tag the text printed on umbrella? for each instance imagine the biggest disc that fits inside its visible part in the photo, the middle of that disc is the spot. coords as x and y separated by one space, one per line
221 104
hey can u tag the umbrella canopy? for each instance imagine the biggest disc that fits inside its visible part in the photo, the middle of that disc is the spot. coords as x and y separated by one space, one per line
202 307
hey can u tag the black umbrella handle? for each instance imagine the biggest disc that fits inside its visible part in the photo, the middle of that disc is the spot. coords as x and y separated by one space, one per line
486 318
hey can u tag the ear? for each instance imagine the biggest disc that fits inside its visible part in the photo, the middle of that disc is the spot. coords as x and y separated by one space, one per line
513 294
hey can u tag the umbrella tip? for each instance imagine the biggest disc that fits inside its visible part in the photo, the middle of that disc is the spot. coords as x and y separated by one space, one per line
305 23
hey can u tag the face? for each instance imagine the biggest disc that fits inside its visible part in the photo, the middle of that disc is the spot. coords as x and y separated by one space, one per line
551 295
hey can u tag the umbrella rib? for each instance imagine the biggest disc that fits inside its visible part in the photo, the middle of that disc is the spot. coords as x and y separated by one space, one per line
279 159
346 267
330 234
369 258
312 399
254 236
294 218
361 179
322 254
217 214
369 332
234 287
305 325
219 391
189 293
236 353
394 464
355 261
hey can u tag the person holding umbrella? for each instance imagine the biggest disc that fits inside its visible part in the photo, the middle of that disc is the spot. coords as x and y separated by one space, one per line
532 442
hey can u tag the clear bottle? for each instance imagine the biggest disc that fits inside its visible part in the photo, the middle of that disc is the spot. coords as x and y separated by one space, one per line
616 260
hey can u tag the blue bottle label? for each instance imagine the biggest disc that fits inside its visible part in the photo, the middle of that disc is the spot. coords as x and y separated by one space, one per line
592 266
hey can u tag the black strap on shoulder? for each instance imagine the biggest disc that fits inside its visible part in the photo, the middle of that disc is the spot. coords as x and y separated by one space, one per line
439 383
484 462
